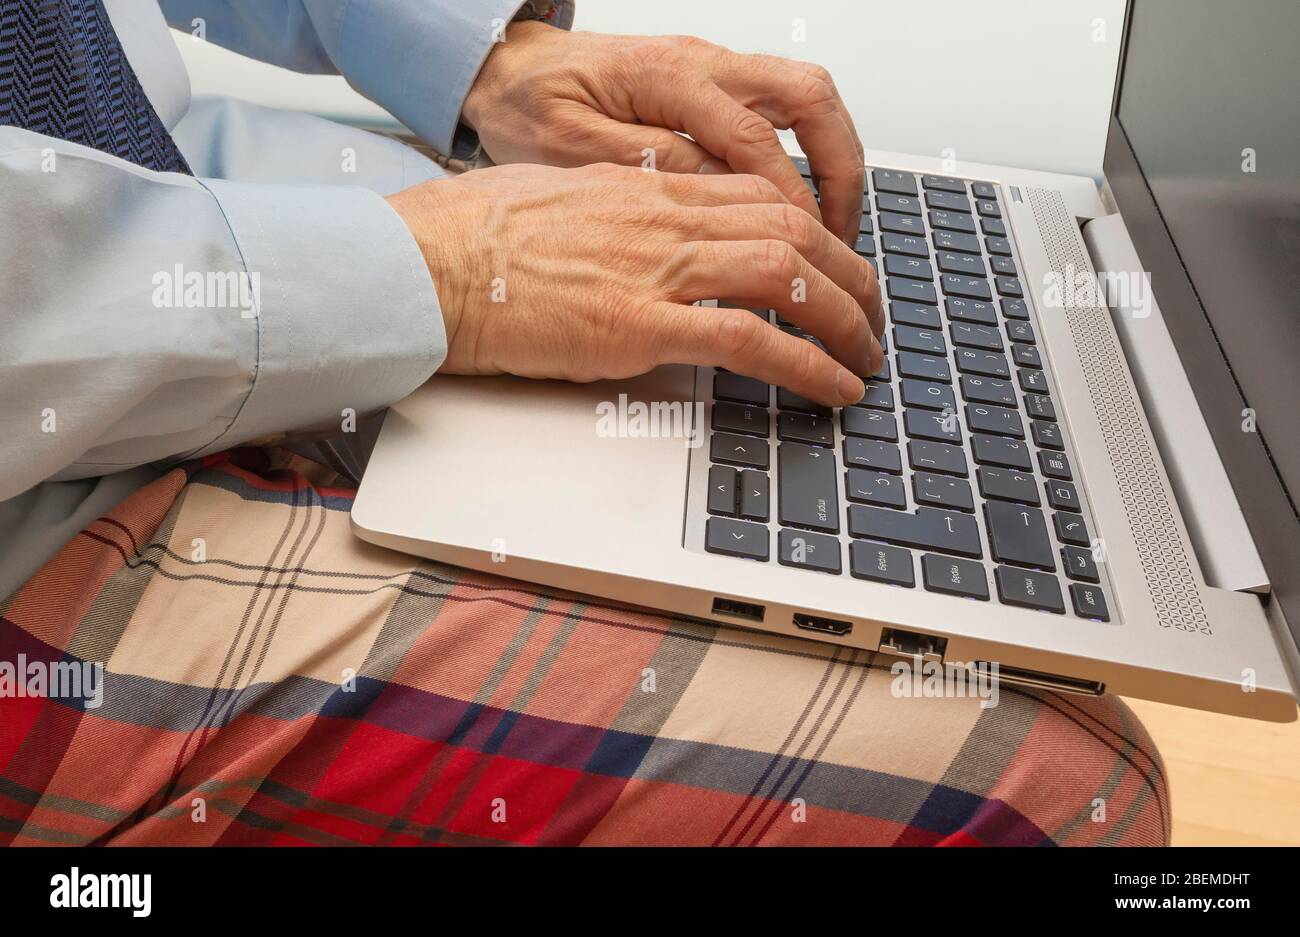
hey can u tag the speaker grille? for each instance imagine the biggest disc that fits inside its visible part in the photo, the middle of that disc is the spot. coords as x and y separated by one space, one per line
1169 578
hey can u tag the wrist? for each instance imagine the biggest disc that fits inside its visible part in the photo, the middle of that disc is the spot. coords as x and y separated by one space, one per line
500 67
436 229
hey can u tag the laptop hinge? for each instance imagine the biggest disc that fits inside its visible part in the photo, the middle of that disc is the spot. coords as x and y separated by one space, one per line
1215 523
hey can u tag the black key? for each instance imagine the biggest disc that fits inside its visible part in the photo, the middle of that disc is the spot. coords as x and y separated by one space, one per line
904 313
926 341
999 421
947 201
881 563
925 367
984 190
1007 485
1015 309
944 183
1026 356
877 397
1032 382
736 418
928 396
1008 286
1078 564
956 241
887 180
728 386
884 374
1046 435
988 208
993 227
865 244
1040 406
1018 535
998 246
998 450
864 221
927 424
801 164
901 224
1055 465
1029 590
896 265
1071 528
867 487
855 421
1004 266
954 577
1089 602
736 538
722 490
904 204
754 495
745 451
971 265
872 454
806 486
905 244
970 310
1062 495
807 428
952 221
761 313
988 390
975 336
808 550
987 363
789 400
956 285
928 529
913 291
937 457
942 491
1021 332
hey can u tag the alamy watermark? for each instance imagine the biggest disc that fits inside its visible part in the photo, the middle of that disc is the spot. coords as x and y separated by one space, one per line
919 678
62 679
671 419
1080 288
179 288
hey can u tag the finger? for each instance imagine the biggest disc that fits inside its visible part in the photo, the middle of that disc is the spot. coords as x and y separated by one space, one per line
803 97
681 97
739 341
714 191
651 148
819 247
772 274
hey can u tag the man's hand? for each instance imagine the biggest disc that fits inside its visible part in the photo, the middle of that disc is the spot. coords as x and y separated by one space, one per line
589 273
567 99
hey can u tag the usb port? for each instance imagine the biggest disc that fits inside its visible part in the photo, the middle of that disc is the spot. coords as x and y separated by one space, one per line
732 608
822 625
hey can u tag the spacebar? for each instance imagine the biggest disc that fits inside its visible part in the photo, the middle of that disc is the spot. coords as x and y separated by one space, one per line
927 529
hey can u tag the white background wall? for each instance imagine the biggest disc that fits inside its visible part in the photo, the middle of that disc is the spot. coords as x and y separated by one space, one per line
1023 82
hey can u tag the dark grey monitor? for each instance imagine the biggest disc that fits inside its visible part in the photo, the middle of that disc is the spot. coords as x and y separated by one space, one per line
1203 158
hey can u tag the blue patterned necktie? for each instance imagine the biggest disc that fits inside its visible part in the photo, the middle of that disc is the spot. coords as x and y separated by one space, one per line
63 74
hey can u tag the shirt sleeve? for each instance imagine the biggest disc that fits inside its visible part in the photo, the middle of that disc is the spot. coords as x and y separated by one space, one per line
415 58
148 316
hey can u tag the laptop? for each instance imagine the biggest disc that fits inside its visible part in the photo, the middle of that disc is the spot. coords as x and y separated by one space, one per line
1078 468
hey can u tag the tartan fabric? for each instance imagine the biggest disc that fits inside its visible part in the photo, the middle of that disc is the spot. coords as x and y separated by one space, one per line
231 606
63 73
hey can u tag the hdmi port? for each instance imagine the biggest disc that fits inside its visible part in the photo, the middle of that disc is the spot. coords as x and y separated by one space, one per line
822 625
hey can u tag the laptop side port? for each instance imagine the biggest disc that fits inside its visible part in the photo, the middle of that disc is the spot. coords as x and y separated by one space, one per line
1038 680
734 608
822 625
902 643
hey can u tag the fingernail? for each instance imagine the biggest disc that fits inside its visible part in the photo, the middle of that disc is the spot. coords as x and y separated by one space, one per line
850 387
713 167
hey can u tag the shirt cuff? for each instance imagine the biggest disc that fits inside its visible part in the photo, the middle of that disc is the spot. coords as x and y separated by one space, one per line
346 312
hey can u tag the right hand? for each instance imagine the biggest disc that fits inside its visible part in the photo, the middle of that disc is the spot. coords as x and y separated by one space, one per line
585 274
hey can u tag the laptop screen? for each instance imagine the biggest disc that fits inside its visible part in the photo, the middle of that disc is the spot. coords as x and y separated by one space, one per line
1210 104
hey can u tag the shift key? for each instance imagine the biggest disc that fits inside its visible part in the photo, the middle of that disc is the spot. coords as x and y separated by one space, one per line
927 529
806 487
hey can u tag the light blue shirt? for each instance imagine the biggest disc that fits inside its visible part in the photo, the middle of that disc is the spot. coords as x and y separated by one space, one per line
147 317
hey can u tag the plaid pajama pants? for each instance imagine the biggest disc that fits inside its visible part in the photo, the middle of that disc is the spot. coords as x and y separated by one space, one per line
269 679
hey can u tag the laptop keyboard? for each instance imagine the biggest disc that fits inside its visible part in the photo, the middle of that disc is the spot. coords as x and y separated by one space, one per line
952 473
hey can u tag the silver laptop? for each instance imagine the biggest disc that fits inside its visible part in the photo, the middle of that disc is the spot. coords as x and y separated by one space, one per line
1080 462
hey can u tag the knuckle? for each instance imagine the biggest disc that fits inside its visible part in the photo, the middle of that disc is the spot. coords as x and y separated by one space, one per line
752 128
740 335
776 261
761 189
657 54
797 226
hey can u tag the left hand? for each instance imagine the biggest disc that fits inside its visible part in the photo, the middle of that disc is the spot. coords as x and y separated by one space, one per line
569 99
